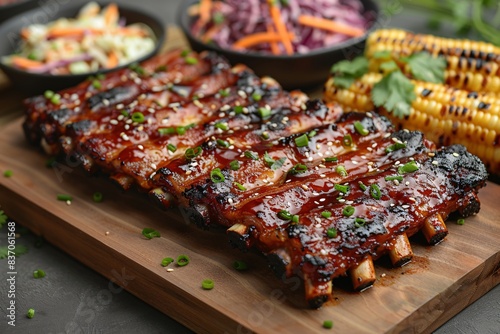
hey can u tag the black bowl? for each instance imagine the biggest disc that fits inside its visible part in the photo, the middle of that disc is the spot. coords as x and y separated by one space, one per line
295 71
8 11
34 83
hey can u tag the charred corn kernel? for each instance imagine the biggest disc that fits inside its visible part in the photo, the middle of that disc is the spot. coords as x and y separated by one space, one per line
471 65
445 114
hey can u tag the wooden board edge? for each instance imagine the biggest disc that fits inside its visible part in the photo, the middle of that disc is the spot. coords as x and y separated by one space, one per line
176 307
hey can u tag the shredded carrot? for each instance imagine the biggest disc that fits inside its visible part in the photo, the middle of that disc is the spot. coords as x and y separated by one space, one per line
25 63
210 33
281 28
205 9
111 15
325 24
258 38
275 49
112 59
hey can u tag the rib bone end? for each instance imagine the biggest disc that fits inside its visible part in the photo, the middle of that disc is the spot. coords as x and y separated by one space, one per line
363 274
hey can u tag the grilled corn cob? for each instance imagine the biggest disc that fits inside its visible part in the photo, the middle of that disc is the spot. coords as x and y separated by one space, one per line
471 65
446 115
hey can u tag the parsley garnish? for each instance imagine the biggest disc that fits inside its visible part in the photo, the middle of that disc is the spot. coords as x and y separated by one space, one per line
425 67
346 72
3 218
395 93
18 250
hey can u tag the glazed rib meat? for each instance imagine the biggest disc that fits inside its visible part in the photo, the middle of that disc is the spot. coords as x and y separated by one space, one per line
322 193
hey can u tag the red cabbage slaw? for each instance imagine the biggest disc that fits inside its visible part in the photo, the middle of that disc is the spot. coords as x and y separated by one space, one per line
232 20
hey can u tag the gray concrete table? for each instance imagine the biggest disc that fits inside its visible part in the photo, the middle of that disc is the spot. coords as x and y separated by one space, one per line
75 299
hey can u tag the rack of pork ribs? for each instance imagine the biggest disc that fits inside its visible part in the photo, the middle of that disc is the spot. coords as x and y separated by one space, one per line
322 193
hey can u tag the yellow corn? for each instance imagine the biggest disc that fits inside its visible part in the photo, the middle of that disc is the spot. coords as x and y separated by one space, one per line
446 115
472 65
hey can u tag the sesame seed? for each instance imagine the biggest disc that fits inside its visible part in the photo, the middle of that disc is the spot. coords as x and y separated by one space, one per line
405 206
354 162
455 154
341 200
127 126
407 183
68 202
397 163
396 182
322 199
151 110
431 154
230 200
412 199
153 166
310 159
125 137
392 204
242 94
374 145
329 143
369 114
140 147
305 187
382 275
435 162
170 270
113 121
188 172
321 166
107 233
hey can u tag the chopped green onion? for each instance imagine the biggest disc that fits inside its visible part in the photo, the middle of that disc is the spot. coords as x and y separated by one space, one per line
251 155
348 211
326 214
182 260
297 169
207 284
50 162
285 215
341 170
97 197
184 53
240 186
39 273
264 113
166 261
8 173
222 143
64 197
358 222
222 126
347 141
216 176
331 232
341 188
238 110
150 233
166 131
181 130
360 128
55 99
362 185
312 133
224 92
328 324
138 117
137 69
395 147
161 68
191 61
31 313
295 219
302 141
461 221
192 153
265 135
268 160
234 165
124 113
408 167
172 148
331 159
375 191
256 97
394 178
239 265
96 84
48 94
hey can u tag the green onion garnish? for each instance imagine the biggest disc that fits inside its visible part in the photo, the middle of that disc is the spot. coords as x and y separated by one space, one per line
207 284
191 61
64 197
150 233
341 170
238 110
375 191
31 313
394 178
224 92
268 160
55 99
8 173
182 260
256 97
347 141
240 186
166 131
96 84
222 143
192 153
138 117
461 221
48 94
38 273
251 155
161 68
395 147
302 141
326 214
172 148
97 197
234 165
264 112
360 128
295 219
362 185
184 53
348 211
408 167
181 130
222 126
137 69
216 176
328 324
331 159
331 232
166 261
124 113
297 169
358 222
342 188
239 265
312 133
285 215
265 135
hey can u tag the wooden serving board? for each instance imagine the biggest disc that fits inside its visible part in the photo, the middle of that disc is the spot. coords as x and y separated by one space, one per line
441 281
